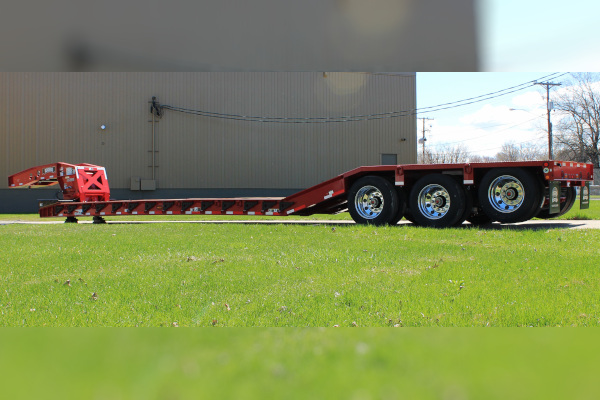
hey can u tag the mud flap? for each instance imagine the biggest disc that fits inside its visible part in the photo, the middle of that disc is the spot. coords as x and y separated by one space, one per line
554 191
584 196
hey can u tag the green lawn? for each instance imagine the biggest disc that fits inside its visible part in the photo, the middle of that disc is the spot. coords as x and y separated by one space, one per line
299 363
591 213
355 277
296 275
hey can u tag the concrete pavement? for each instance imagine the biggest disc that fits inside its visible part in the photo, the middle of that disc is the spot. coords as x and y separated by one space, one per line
533 224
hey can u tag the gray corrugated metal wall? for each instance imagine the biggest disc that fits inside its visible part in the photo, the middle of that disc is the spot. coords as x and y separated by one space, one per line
49 117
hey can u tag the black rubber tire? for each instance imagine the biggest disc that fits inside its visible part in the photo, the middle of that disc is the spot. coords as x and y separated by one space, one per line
390 200
532 189
542 190
468 207
570 194
456 196
402 202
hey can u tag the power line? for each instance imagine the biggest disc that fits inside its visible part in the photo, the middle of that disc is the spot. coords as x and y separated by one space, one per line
490 133
353 118
525 84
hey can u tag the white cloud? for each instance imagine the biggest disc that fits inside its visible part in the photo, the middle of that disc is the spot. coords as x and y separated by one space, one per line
482 141
490 116
486 129
529 101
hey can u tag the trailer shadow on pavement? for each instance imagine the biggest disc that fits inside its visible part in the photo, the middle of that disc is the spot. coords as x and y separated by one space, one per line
528 225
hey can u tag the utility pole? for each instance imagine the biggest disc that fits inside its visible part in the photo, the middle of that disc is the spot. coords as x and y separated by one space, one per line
423 138
548 84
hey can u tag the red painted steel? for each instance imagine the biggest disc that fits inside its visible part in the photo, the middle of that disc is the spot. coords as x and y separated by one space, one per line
86 186
80 182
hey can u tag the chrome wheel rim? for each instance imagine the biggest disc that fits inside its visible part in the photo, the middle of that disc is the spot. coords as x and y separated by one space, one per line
434 201
368 202
506 194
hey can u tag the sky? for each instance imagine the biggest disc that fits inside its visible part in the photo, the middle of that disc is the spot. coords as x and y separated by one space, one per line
484 126
514 36
538 35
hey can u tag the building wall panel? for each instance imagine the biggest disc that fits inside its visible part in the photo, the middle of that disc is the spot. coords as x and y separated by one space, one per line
49 117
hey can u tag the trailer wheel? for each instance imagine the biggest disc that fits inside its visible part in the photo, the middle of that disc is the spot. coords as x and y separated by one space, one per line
510 195
401 210
372 200
437 201
570 195
468 207
408 216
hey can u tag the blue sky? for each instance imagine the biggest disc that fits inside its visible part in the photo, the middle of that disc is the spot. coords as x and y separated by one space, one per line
484 126
514 35
536 35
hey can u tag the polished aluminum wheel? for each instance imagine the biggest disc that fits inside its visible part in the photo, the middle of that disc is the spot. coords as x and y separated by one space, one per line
506 194
434 201
368 202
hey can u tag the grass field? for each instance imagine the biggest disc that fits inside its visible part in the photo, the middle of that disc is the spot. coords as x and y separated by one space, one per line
292 275
355 277
591 213
299 363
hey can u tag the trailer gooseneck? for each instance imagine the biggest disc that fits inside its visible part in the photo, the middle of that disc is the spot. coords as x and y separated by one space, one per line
437 195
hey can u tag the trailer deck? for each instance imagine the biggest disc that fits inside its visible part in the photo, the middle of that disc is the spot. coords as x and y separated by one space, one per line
437 195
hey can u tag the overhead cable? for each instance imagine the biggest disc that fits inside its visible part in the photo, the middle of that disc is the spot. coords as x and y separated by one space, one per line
365 117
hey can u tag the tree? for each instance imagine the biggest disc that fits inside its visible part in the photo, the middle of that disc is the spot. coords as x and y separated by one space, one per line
577 132
481 159
511 151
445 155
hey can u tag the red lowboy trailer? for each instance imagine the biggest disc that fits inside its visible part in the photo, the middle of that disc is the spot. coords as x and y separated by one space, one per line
437 195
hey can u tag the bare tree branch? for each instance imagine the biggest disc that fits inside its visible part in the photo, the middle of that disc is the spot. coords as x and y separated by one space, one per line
577 133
